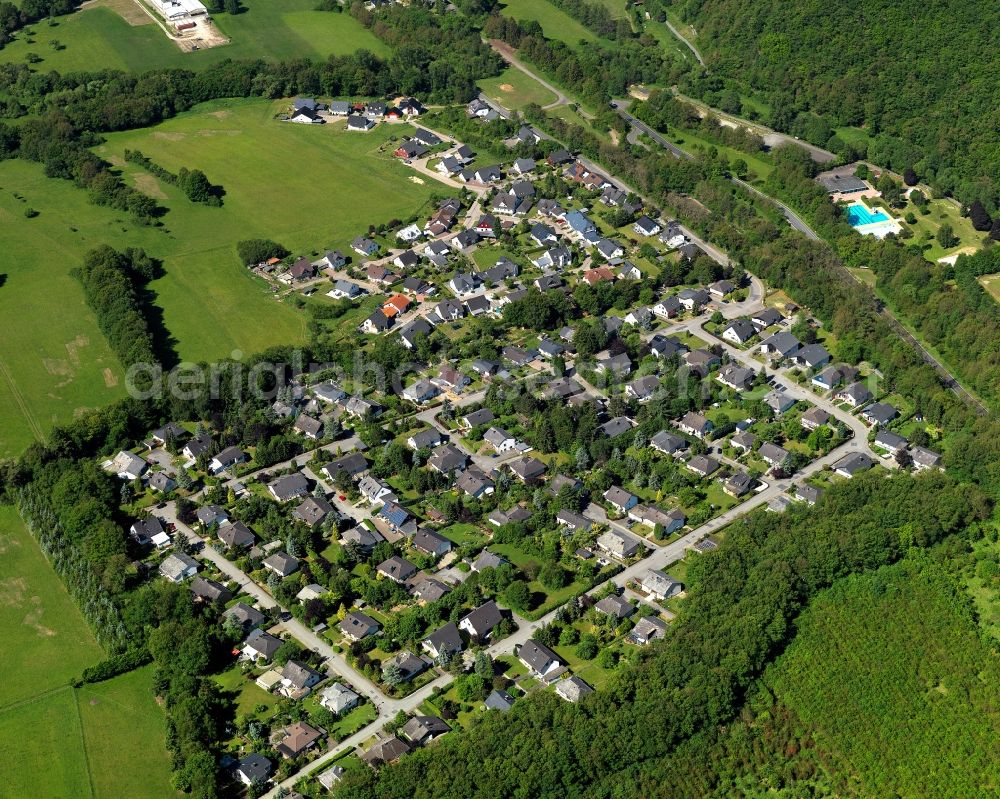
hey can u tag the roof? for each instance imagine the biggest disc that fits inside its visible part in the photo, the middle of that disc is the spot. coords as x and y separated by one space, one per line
446 639
483 619
429 590
487 560
615 606
244 614
282 563
289 486
649 627
573 689
537 656
499 700
256 768
263 643
397 568
313 510
359 625
420 728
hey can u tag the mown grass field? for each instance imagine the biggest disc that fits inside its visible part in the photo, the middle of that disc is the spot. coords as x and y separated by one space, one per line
890 670
98 37
59 741
556 24
513 89
283 181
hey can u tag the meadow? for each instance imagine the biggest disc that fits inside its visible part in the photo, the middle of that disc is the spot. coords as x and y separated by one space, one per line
556 24
100 37
57 740
889 670
282 181
514 89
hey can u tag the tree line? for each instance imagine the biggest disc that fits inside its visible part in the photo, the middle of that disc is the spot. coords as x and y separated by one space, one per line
192 182
110 280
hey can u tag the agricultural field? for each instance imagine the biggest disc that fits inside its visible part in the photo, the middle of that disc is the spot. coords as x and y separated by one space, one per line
556 24
890 671
60 741
54 360
513 89
117 34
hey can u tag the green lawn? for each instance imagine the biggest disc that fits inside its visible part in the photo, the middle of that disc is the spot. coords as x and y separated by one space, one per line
39 620
99 38
942 212
513 89
59 741
54 360
556 24
121 716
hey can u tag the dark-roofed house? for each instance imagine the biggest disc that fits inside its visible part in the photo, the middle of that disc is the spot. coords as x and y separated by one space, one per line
425 439
526 469
226 459
313 511
421 729
444 641
694 424
447 458
289 487
144 530
254 769
780 345
209 515
352 465
209 591
481 622
246 617
281 563
397 569
541 662
487 560
647 629
667 443
260 645
573 521
361 537
499 700
855 395
879 414
739 331
615 607
297 678
357 625
236 535
702 465
852 464
620 499
429 590
428 542
387 751
409 665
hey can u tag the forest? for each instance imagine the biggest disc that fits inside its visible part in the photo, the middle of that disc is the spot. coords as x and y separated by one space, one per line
920 78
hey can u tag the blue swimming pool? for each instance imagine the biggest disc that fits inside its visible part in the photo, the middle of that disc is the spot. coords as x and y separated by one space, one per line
858 215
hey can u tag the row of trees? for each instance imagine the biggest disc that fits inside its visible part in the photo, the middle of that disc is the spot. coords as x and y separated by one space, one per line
110 280
190 181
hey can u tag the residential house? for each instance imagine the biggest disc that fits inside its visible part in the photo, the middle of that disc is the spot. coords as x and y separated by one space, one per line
643 388
811 356
814 418
554 258
423 729
281 564
235 535
693 299
246 617
645 226
128 466
702 361
853 464
260 645
615 607
298 739
474 483
666 346
773 455
738 484
660 585
429 590
739 331
647 630
352 465
481 622
573 689
445 641
668 443
499 700
358 626
297 679
209 591
210 515
447 458
377 323
390 749
361 537
855 395
413 331
694 424
609 250
573 521
808 493
780 346
289 487
779 402
669 521
541 662
338 698
618 426
736 377
409 665
526 469
424 439
314 511
177 567
619 364
395 515
890 442
618 544
924 458
427 542
721 289
308 426
254 769
421 391
768 317
500 440
702 465
397 569
879 414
